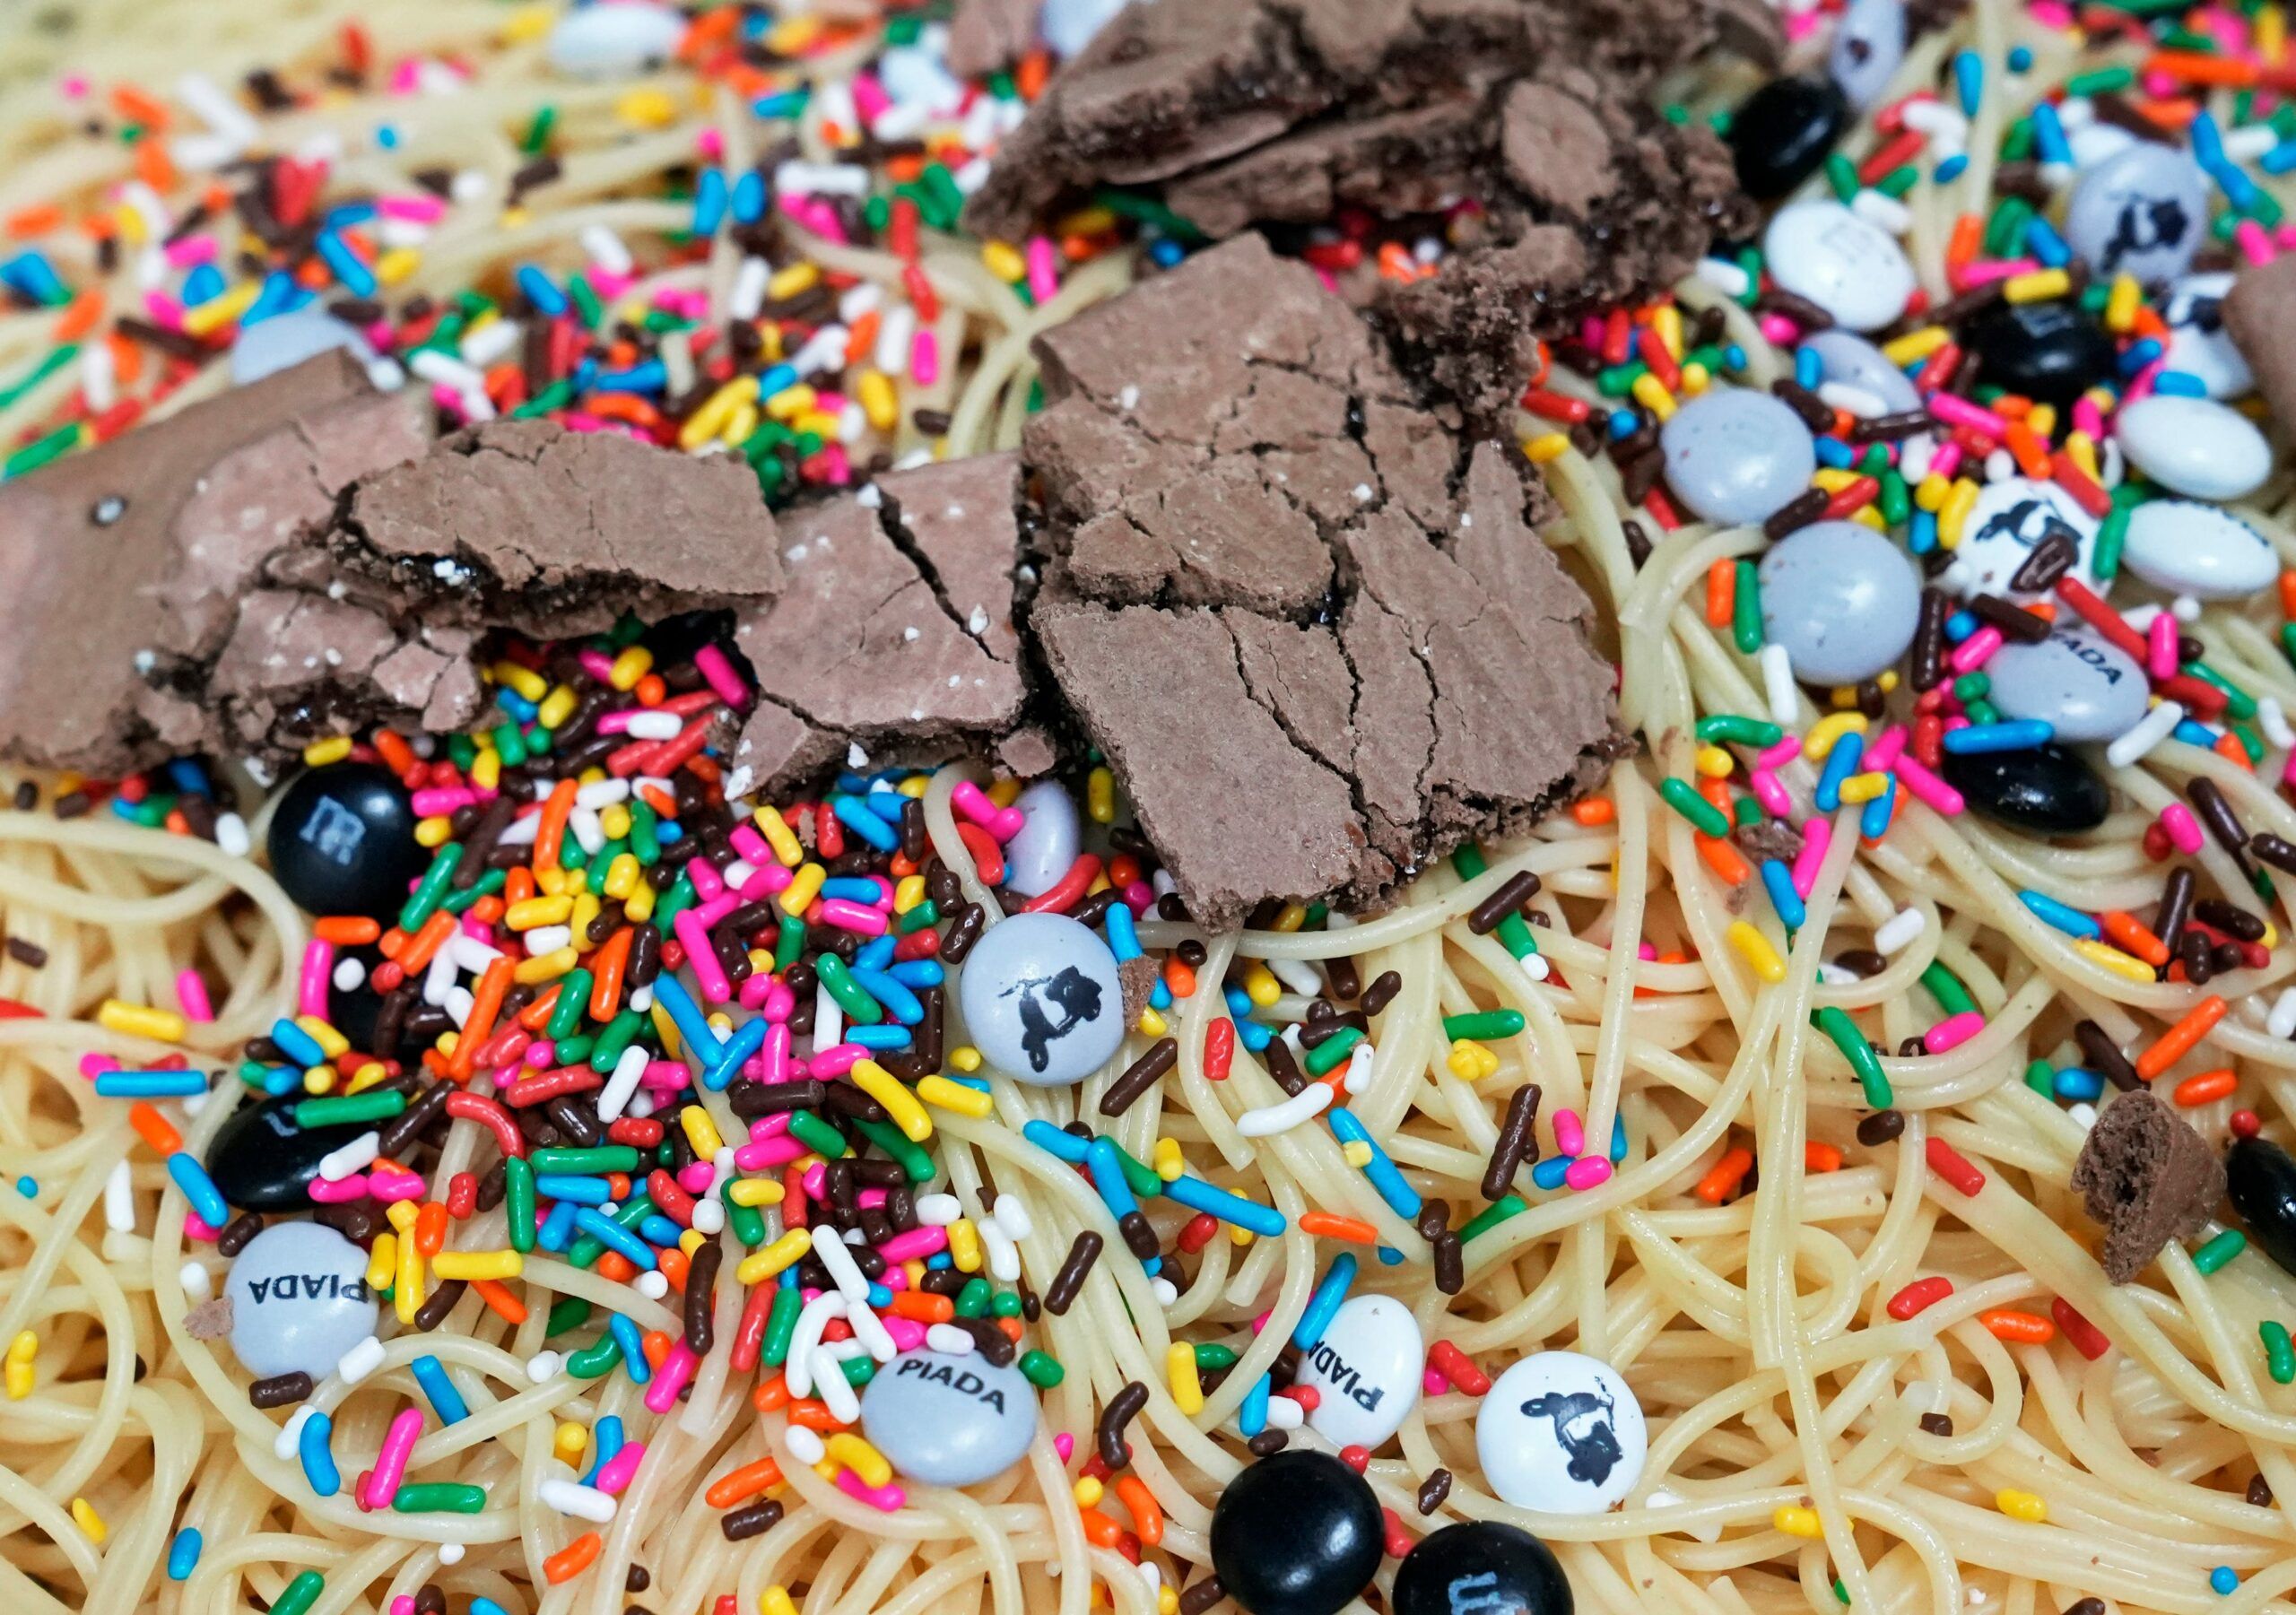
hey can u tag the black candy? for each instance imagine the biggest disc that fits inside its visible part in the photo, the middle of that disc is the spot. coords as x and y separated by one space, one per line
2261 1179
1780 136
343 841
2051 353
2046 790
1480 1565
261 1161
354 1013
1297 1533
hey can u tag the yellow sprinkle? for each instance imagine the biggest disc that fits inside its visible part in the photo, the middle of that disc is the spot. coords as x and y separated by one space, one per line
1356 1153
776 1601
1887 679
1166 1158
878 402
1093 220
1239 1235
400 1214
791 402
569 1443
334 1044
528 23
614 820
2043 420
754 1192
526 915
1798 1522
1755 948
407 1291
552 880
1833 478
2127 966
2021 1505
857 1456
366 1077
556 707
1866 516
1547 447
1915 346
965 1057
706 422
25 1347
1187 1386
940 1091
525 681
789 282
1004 792
1290 917
1955 516
1151 1024
804 886
2082 449
478 1265
779 836
1462 1061
2039 286
142 1020
639 905
622 875
2121 303
648 109
1088 1491
1260 984
2271 35
321 752
549 966
320 1079
1842 696
1666 320
1827 730
486 769
965 1245
1696 379
216 313
433 832
1168 1599
633 663
908 891
1863 787
1651 393
21 1379
900 1103
700 1131
1003 260
84 1515
915 786
1714 763
769 1260
1099 795
1932 491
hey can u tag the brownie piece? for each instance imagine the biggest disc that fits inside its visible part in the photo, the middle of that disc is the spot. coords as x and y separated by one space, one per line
126 564
2260 314
1257 111
526 525
988 36
892 640
1277 579
2148 1177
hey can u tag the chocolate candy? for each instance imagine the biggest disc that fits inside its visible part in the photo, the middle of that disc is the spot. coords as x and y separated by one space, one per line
614 41
1736 456
2047 790
2011 519
947 1420
2260 1177
1043 1000
1841 599
2194 445
1298 1533
2194 549
1853 270
2084 688
343 841
1482 1565
2143 213
298 1300
2049 351
2199 345
1781 133
1366 1371
261 1161
1562 1432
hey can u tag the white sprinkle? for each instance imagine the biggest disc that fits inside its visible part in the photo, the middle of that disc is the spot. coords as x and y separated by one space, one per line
1899 931
543 1366
1283 1413
2281 1022
1777 685
805 1446
652 1284
582 1502
655 725
2084 1112
1359 1068
2146 733
450 1553
120 1199
1003 1256
805 1336
605 250
197 1282
835 1389
709 1217
356 1156
2185 609
360 1361
950 1339
1272 1119
1726 277
1012 1215
231 834
2273 721
548 939
1857 400
938 1211
1165 1291
290 1434
350 975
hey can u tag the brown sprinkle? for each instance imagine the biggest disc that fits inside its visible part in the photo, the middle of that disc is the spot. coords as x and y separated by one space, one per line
1107 1435
1517 890
280 1390
1883 1127
2105 1055
27 953
1140 1076
1936 1424
1201 1595
1515 1140
755 1520
1450 1262
2260 1492
1061 1294
2015 621
1380 994
1433 1490
1796 513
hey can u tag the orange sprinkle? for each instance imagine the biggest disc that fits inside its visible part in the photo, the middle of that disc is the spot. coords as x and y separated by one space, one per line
2019 1328
548 833
2027 450
673 1263
1721 593
1100 1530
2206 1087
2196 67
746 1482
347 930
922 1306
1727 1173
1819 1157
79 316
431 1229
1593 810
609 962
536 1015
772 1394
1029 77
2228 747
1179 976
1330 1225
485 1005
814 1414
2288 595
657 1346
614 1265
1729 866
2131 935
2178 1041
572 1559
396 751
426 942
139 106
152 166
37 220
1147 1518
1010 1328
154 1129
499 1301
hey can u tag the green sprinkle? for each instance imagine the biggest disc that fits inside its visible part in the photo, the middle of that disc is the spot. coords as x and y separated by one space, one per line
567 1312
432 889
1619 380
1732 729
2279 1351
2040 1076
48 366
1333 1050
518 1202
2219 1250
1745 616
927 913
1467 862
858 1006
859 1371
440 1497
40 451
594 1360
1837 1025
1006 1305
2101 81
338 1109
604 1158
1043 1372
914 1160
299 1595
817 1134
1947 990
1972 687
1703 815
1483 1025
488 885
573 1051
1842 175
747 1221
1146 210
1497 1211
780 1326
972 1300
2237 702
573 997
537 134
620 1033
1212 1354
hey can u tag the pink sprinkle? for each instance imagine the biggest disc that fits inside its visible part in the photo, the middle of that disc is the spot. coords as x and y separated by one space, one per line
1044 281
707 881
770 1153
768 880
387 1185
1947 460
403 1604
1785 752
1587 1172
190 250
1002 823
710 143
869 98
1915 777
2160 645
669 1075
1647 950
339 1191
2184 829
312 981
1956 411
847 916
703 957
917 1242
1817 834
2086 419
669 1379
837 1060
1952 1031
695 1177
1884 749
908 1333
1779 331
752 845
1064 1446
924 358
596 664
1570 1132
197 1228
1972 653
1986 270
191 994
1800 25
886 1499
2254 244
438 802
619 1471
1433 1382
163 309
2049 13
74 86
1590 332
415 207
775 1057
390 1461
1139 897
1771 793
93 1064
721 675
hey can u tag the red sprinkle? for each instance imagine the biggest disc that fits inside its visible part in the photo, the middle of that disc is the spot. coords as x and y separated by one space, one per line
1399 1541
1459 1367
1919 1298
2087 1339
1357 1458
1199 1231
1219 1048
2245 1123
1948 1163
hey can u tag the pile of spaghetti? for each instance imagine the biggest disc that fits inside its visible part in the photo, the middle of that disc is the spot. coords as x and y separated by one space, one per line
1856 1297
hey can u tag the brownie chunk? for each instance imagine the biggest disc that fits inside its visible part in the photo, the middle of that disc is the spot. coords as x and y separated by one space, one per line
1277 579
892 640
1259 111
2260 315
126 565
524 524
2148 1177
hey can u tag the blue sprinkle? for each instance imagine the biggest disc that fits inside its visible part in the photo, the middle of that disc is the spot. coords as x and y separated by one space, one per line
2194 734
2280 159
183 1554
1969 81
1874 823
515 707
357 279
557 1230
1835 454
858 817
2225 1580
1197 1195
387 136
1618 1139
445 1402
919 973
1923 536
1959 626
574 1190
874 954
2045 243
1734 357
548 301
660 1230
1325 1302
1623 424
1055 1142
1390 1256
2063 918
749 197
626 1335
486 1606
319 1458
1840 763
1779 882
1952 168
1549 1173
2020 734
605 1436
1124 936
651 377
1166 251
297 1043
1238 1002
880 1296
198 1188
1107 1168
1401 1197
2021 60
2140 354
2207 140
710 199
884 1036
741 1048
28 1186
2074 1085
853 888
151 1084
1254 1035
2181 384
699 1037
2048 134
781 378
1251 1418
899 1003
1809 367
203 284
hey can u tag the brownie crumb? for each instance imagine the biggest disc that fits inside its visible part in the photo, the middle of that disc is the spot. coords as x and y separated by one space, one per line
2148 1177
